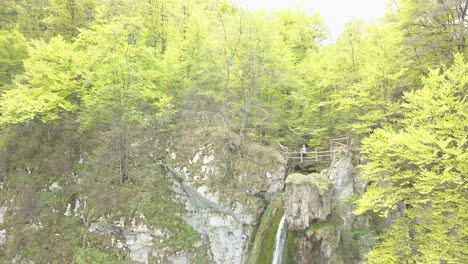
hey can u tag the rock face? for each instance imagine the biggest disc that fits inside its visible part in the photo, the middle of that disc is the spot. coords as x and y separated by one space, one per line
136 241
3 233
227 224
202 205
225 215
228 237
308 199
139 241
322 216
342 175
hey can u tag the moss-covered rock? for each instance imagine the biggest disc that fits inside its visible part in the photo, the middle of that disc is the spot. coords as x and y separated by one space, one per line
308 198
321 182
262 248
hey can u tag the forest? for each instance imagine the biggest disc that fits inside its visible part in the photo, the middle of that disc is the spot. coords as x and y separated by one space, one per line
93 93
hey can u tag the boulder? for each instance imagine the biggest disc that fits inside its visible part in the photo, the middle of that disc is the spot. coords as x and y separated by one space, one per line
308 198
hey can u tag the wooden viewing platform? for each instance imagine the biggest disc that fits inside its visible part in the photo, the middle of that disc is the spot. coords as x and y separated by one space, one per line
305 157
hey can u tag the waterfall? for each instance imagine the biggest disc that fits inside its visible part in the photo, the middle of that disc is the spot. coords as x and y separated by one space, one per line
280 241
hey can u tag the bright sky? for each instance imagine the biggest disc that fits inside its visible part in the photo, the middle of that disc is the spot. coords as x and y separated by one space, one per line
334 12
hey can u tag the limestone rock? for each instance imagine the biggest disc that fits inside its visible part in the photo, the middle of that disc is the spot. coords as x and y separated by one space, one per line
275 182
228 224
228 237
139 241
180 259
2 236
3 233
330 237
308 198
342 175
3 210
226 215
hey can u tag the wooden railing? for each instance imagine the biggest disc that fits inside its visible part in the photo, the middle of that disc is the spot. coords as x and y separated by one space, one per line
304 156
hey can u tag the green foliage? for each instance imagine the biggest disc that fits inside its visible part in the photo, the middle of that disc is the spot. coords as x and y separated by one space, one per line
91 255
13 50
49 88
120 73
96 80
420 170
433 31
301 32
46 19
68 18
150 195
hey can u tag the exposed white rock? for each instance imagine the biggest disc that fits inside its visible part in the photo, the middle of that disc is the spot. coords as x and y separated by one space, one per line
139 242
3 235
55 186
3 210
76 209
37 226
119 244
227 224
308 198
102 228
196 157
68 211
226 219
120 223
206 170
245 216
180 259
203 192
275 182
342 176
227 236
208 159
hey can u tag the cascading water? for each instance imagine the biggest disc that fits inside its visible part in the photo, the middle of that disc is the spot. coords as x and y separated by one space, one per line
280 241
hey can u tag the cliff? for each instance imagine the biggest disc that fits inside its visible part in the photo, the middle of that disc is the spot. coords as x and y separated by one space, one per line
319 208
188 200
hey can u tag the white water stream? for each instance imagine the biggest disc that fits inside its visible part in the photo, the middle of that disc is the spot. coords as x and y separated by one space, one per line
280 241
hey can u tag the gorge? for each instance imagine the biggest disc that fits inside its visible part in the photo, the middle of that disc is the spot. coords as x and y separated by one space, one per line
271 217
195 131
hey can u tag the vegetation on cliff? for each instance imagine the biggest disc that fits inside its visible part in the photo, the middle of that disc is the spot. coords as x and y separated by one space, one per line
319 181
263 245
95 93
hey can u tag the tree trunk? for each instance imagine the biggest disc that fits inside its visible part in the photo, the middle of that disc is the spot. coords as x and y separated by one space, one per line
123 157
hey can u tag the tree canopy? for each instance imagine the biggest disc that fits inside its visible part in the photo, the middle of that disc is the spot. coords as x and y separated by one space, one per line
90 80
420 169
